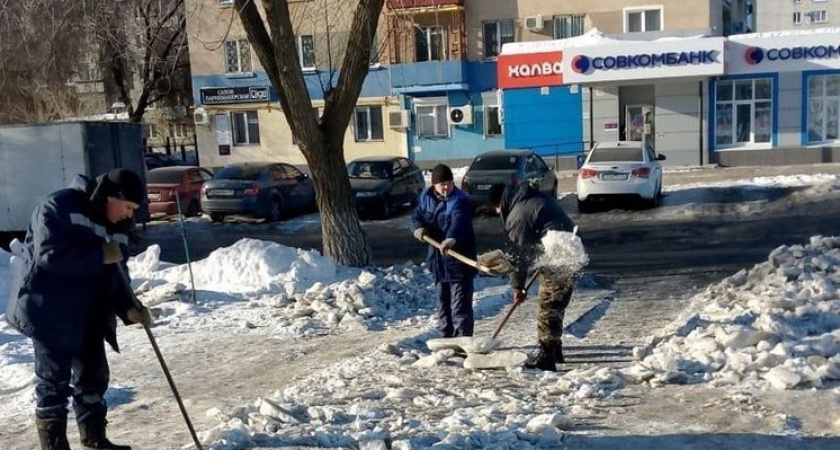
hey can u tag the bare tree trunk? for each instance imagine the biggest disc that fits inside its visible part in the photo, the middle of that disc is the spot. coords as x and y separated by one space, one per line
322 146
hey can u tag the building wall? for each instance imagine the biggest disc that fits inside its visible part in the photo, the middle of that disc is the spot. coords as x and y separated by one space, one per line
679 122
773 15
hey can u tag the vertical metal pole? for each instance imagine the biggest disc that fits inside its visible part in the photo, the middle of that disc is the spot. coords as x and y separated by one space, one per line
186 245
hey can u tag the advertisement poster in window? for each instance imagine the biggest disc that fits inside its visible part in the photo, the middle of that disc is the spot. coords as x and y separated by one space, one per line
223 136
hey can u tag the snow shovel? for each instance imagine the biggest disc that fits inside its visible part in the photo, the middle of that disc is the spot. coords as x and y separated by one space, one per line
515 305
127 285
458 256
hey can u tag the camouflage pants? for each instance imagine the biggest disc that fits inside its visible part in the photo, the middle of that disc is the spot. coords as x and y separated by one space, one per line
553 298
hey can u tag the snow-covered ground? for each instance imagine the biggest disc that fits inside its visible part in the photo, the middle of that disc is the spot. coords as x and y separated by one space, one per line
773 327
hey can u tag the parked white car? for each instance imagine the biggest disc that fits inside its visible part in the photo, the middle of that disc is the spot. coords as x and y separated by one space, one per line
622 168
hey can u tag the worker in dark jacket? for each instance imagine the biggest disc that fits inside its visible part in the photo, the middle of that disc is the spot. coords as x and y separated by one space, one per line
68 296
527 215
444 213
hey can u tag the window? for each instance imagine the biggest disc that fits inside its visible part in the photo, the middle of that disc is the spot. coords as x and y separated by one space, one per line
492 120
496 34
743 112
225 2
178 130
306 51
568 26
237 56
368 123
823 108
432 121
150 131
429 44
797 18
637 20
820 16
246 128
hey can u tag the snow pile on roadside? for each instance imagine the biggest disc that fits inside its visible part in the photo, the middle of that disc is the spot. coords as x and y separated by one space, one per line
563 252
290 290
5 279
776 325
366 402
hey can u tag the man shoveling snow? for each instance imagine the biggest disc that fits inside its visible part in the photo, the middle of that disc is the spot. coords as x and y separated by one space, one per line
541 237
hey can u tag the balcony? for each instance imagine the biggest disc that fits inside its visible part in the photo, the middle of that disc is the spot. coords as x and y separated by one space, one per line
411 4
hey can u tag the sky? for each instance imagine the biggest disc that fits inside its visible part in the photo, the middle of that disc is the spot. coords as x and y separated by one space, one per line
774 326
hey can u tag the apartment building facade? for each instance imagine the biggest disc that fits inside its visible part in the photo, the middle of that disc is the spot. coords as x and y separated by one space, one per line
776 15
433 94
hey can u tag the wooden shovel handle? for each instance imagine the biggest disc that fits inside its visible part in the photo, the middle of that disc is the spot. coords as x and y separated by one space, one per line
458 256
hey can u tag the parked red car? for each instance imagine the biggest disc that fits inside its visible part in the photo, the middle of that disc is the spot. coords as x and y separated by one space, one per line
164 182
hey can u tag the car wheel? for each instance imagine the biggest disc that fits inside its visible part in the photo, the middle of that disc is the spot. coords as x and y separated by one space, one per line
584 206
217 217
275 210
192 209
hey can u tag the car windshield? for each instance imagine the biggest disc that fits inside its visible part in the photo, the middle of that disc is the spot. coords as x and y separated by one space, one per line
238 173
613 154
163 177
369 169
495 162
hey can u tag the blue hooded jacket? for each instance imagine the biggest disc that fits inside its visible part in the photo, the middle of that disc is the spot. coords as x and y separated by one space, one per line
65 290
447 218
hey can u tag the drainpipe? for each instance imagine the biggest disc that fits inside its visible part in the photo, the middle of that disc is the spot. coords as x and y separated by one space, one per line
591 121
700 96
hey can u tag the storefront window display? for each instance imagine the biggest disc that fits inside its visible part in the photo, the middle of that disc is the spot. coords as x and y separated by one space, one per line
823 108
743 112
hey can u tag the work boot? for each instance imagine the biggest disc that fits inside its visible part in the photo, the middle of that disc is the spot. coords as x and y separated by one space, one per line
92 433
53 433
543 359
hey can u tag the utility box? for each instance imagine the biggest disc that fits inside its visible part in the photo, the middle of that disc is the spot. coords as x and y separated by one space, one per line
37 160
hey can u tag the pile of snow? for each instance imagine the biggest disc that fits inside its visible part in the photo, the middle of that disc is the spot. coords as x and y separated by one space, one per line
5 279
291 290
776 325
563 253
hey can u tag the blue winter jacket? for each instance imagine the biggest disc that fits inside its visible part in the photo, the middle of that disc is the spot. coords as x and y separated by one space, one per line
65 290
442 219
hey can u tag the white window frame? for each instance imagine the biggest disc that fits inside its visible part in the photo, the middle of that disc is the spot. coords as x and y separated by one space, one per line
225 2
440 105
490 100
300 51
643 9
823 16
369 132
571 18
797 18
443 43
501 41
825 98
239 66
733 142
248 139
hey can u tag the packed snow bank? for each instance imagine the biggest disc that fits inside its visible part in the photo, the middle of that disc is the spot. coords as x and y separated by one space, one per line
776 325
293 291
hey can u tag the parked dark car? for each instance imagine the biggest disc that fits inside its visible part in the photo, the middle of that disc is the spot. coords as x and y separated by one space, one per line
163 183
509 167
157 160
263 189
382 183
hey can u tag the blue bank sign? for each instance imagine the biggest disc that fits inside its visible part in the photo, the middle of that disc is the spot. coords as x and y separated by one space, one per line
813 51
642 60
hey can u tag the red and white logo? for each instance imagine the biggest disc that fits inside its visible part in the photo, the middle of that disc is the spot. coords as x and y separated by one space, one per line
530 70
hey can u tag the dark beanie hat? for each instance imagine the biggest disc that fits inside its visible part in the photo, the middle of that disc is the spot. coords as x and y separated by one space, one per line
124 184
441 173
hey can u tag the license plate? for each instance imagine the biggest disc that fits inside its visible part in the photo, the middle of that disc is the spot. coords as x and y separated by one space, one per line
154 197
614 177
223 192
484 187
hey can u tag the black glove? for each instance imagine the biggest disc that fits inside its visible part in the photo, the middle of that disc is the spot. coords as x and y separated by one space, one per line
419 233
111 253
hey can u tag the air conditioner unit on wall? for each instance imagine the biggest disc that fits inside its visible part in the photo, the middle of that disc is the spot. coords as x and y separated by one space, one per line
461 115
534 23
200 116
398 119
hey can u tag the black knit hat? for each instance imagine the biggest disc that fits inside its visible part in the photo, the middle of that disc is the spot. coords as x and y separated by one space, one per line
441 173
124 184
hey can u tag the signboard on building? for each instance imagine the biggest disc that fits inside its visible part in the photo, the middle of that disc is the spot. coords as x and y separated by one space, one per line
530 70
622 61
229 95
783 53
